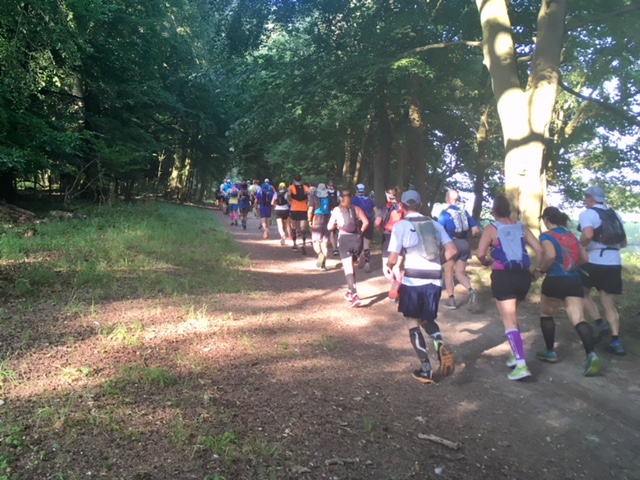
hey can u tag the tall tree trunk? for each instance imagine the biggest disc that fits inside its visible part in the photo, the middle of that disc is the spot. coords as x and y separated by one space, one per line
482 138
415 139
525 115
382 159
348 153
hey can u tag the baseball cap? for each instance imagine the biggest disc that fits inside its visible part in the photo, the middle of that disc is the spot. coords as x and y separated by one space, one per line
596 193
411 197
266 180
360 188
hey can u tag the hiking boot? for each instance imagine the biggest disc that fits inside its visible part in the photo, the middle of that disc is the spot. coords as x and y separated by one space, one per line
304 250
447 365
367 267
511 361
592 365
336 253
423 376
602 329
519 373
451 304
294 249
547 356
355 301
320 261
616 348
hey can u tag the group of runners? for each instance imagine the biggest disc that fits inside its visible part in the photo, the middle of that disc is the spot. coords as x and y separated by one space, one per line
420 254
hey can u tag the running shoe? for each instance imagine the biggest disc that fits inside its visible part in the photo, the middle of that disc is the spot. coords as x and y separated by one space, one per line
336 253
519 373
616 348
423 376
511 361
451 304
282 240
348 296
320 261
265 235
547 356
447 365
472 299
592 365
367 267
355 301
294 249
602 329
304 250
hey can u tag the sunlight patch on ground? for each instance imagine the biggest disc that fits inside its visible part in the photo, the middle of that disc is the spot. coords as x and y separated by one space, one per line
555 419
466 407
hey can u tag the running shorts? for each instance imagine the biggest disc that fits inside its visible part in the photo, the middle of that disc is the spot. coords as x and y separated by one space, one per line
298 216
368 233
349 244
282 214
319 232
464 249
561 287
606 278
510 284
419 301
265 212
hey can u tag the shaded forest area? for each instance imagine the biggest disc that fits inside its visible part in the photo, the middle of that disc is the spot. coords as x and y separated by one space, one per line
118 98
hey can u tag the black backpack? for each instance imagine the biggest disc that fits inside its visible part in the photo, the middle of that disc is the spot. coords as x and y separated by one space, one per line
611 231
267 195
281 200
299 194
333 199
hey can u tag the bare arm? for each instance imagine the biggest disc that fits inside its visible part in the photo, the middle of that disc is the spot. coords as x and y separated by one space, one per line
587 236
450 251
549 255
363 218
534 243
392 260
485 243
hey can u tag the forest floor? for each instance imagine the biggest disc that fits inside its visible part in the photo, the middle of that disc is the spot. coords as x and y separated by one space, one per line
287 382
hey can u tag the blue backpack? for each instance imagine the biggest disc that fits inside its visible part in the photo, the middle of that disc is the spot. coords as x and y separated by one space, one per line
512 252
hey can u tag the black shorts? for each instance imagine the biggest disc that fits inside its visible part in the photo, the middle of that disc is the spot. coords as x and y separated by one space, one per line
368 233
607 278
282 214
464 249
349 244
510 284
419 302
562 287
298 216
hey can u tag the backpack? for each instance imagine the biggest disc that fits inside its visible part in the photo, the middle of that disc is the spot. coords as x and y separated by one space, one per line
460 221
394 214
333 199
512 253
348 220
569 248
281 199
429 241
323 206
299 194
611 231
266 197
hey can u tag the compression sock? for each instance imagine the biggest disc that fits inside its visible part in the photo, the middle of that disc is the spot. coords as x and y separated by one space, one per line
351 283
517 347
304 237
419 345
585 332
548 327
367 255
433 330
598 321
294 236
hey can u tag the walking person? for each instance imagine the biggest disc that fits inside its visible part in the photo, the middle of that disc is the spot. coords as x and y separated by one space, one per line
334 201
511 274
319 214
234 194
367 205
562 287
602 236
264 198
348 219
253 191
281 208
460 226
386 218
244 204
298 197
422 241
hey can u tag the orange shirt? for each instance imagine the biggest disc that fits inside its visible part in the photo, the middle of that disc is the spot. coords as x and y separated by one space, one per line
298 205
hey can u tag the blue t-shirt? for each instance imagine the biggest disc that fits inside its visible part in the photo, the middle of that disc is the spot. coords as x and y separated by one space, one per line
556 270
446 220
367 205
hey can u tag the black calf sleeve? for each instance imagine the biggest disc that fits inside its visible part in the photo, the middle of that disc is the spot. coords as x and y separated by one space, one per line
548 327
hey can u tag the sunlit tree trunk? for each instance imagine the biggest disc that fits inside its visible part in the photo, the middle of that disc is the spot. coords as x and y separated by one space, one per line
525 114
348 153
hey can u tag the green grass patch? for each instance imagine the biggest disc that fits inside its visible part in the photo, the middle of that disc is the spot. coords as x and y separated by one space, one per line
147 250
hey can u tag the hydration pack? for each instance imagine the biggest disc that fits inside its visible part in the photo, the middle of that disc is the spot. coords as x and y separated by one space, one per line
429 241
511 253
569 247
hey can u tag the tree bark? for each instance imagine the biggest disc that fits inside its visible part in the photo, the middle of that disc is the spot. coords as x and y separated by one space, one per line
524 114
482 138
382 158
415 139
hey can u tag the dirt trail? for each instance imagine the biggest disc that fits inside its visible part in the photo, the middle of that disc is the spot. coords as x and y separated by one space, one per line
355 399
